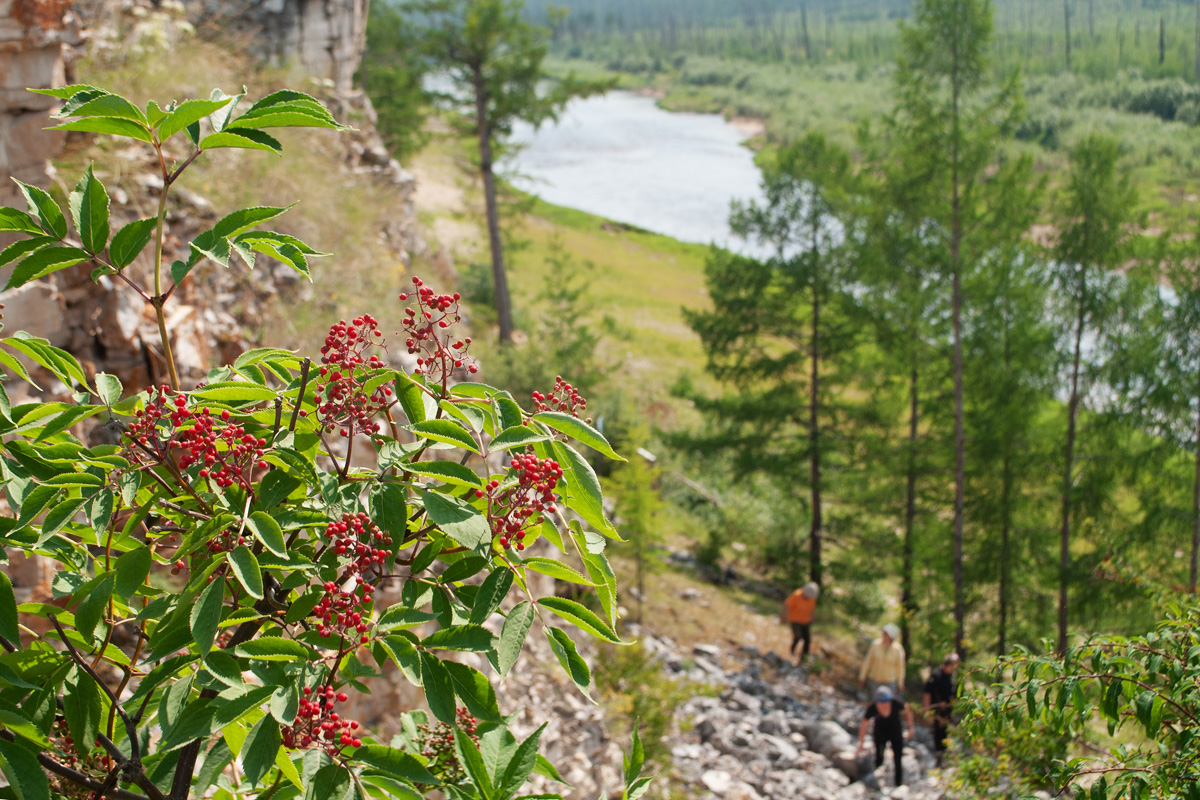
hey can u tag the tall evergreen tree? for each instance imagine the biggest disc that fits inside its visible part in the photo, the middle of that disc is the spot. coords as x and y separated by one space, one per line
494 59
1093 212
951 118
779 326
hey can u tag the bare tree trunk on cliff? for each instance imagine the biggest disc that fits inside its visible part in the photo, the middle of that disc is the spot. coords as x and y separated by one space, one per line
814 542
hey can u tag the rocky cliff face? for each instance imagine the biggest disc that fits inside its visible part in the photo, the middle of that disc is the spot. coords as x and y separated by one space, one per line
321 39
37 42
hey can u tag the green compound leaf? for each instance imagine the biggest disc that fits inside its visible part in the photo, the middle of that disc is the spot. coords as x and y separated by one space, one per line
43 262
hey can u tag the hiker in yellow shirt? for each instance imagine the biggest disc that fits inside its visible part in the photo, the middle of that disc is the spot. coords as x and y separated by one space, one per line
884 664
798 610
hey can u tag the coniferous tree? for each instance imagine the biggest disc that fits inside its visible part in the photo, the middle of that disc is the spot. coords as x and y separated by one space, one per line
494 59
1096 206
779 327
951 119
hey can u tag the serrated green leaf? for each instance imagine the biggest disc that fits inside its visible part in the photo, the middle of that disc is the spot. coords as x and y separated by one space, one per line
556 570
92 605
205 617
439 689
579 430
14 221
258 752
58 361
89 210
186 113
512 636
111 125
43 208
246 570
224 667
580 488
491 594
516 436
274 648
448 471
395 763
234 393
568 656
132 569
470 638
461 522
108 388
8 611
243 139
267 530
581 617
43 262
470 758
445 431
23 772
109 106
130 241
23 247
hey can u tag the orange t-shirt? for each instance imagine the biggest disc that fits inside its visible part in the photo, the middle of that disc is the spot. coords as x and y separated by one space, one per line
800 608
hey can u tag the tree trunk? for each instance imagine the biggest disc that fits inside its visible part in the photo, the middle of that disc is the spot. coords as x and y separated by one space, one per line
1196 505
813 423
804 31
1067 28
1092 20
907 599
1064 564
1162 40
1005 554
959 434
499 277
1196 69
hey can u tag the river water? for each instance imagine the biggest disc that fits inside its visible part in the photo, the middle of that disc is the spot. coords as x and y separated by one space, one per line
622 157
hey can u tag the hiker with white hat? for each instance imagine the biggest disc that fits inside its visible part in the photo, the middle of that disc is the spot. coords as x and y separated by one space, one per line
886 711
798 610
884 664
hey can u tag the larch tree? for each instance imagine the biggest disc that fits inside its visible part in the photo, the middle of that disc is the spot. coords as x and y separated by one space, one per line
493 58
1094 209
779 326
951 116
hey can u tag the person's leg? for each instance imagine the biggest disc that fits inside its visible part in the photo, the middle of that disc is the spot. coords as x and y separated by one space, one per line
898 752
806 632
796 633
940 728
880 750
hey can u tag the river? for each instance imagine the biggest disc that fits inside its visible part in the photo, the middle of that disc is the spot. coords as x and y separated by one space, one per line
622 157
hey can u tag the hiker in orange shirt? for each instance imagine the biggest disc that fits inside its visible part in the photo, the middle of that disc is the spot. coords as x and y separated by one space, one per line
798 609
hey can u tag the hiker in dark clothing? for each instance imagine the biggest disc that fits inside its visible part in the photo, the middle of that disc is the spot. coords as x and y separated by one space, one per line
886 711
940 694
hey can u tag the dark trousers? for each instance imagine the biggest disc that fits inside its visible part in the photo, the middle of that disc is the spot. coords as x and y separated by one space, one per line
801 630
897 751
941 726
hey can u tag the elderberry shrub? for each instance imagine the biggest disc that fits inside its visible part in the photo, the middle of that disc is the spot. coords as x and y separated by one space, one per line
300 570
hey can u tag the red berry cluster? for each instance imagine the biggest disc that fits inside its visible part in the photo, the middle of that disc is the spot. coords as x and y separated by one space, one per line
340 395
437 744
340 611
439 354
318 724
519 505
226 453
563 397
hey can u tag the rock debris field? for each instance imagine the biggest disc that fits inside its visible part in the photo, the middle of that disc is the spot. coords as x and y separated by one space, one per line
775 734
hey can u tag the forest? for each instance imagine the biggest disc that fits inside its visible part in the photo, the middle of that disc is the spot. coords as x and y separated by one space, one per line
357 468
967 384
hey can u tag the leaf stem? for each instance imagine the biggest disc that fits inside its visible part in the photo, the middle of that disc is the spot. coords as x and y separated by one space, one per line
158 299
